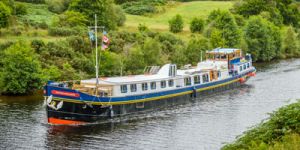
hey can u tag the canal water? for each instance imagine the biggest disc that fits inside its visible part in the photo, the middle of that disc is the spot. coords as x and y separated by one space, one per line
208 123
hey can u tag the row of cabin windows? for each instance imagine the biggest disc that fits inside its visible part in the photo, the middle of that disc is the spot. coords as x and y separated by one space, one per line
163 84
197 80
133 87
245 66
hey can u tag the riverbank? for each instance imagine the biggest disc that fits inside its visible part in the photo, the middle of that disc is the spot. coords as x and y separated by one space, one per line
280 131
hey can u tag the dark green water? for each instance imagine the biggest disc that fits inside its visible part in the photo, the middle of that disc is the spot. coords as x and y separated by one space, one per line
206 124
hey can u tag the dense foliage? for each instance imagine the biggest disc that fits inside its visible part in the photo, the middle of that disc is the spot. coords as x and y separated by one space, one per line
21 72
263 39
197 25
281 125
143 7
279 10
176 24
4 15
107 15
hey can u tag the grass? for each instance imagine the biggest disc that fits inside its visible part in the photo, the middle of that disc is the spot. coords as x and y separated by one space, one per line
38 13
188 10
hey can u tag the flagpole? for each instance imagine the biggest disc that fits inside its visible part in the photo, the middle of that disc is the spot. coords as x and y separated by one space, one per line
97 65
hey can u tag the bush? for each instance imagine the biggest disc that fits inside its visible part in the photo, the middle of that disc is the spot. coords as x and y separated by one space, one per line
143 7
121 17
62 31
37 45
33 1
71 19
176 24
197 25
142 28
21 71
4 15
21 9
58 6
284 121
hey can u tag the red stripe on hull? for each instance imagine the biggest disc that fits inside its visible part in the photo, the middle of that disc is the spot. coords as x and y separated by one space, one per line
56 121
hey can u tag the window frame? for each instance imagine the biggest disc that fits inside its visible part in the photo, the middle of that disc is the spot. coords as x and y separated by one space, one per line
122 88
187 83
161 84
199 79
131 87
171 81
151 87
144 86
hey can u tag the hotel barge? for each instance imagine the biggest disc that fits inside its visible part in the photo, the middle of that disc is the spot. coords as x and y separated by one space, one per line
94 100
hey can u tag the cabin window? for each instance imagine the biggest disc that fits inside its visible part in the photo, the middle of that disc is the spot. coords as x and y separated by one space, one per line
163 84
205 78
187 81
133 87
244 66
197 79
123 88
248 65
171 83
219 74
144 86
241 68
153 85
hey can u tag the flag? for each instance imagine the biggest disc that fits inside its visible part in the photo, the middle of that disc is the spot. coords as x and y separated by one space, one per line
92 36
105 39
103 46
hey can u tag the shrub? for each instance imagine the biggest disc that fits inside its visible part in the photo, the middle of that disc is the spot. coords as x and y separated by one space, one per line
58 6
21 71
176 24
59 31
4 15
37 45
21 9
197 25
142 28
71 19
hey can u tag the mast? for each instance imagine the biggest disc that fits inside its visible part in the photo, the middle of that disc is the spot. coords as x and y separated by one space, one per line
97 65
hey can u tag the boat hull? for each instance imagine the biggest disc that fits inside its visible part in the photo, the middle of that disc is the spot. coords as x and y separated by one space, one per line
82 112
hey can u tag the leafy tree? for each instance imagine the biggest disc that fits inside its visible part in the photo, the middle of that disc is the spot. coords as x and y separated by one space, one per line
69 73
197 25
263 39
104 9
290 43
71 19
152 51
176 24
179 56
216 39
134 62
110 64
5 12
229 31
21 71
195 47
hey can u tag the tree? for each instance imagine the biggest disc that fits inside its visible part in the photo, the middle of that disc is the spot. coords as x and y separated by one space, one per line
263 39
152 51
216 39
227 29
105 10
21 71
290 43
71 19
5 12
197 25
134 62
195 47
176 24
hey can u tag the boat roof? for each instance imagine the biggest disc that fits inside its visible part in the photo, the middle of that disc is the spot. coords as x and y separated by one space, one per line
224 50
125 79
